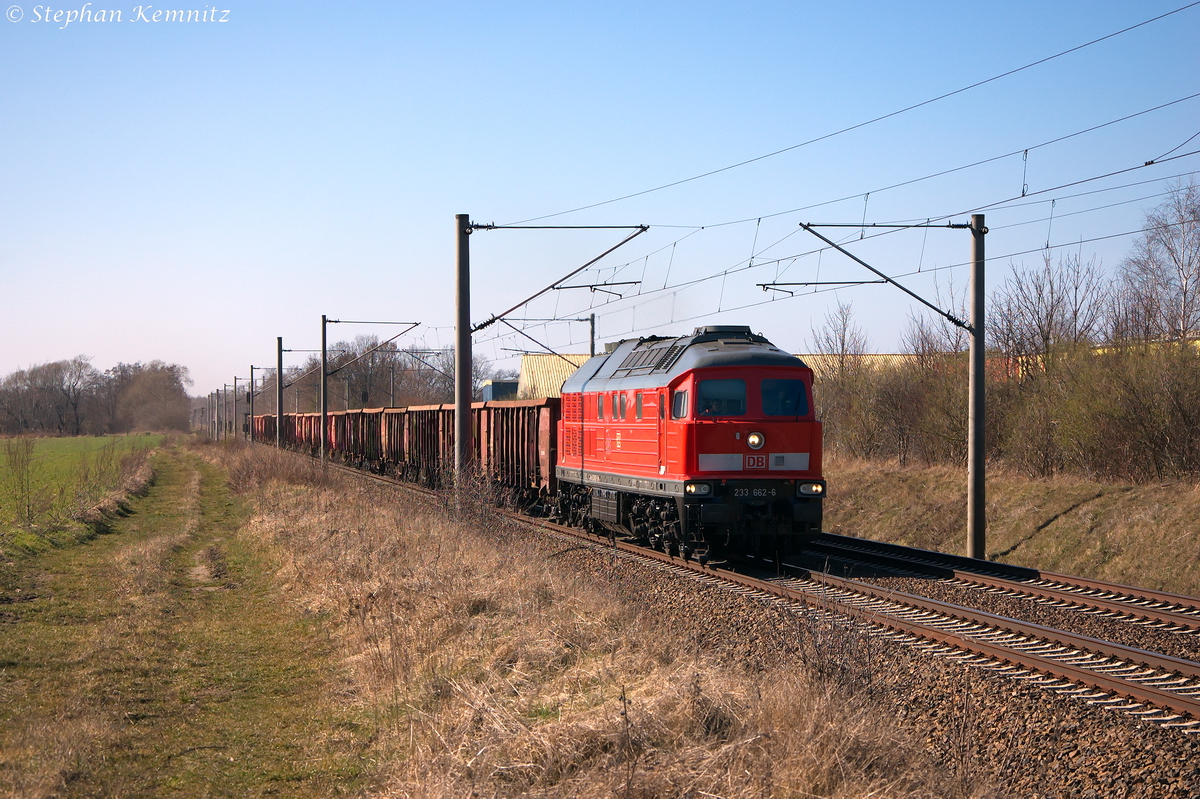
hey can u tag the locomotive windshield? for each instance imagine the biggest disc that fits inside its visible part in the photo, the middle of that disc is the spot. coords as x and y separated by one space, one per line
721 398
784 398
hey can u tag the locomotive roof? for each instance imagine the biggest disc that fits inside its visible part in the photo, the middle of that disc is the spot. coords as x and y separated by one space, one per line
657 360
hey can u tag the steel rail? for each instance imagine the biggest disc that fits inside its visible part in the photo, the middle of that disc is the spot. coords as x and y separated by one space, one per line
1143 657
1022 572
1178 613
1183 705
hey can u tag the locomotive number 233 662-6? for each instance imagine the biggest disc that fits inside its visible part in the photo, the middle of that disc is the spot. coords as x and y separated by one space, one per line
754 492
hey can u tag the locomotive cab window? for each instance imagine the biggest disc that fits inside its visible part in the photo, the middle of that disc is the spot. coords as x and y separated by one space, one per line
784 397
721 397
679 405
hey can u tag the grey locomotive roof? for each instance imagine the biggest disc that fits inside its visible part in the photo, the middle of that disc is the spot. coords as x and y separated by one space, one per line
656 361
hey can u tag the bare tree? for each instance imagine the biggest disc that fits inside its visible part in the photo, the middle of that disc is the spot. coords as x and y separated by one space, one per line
932 339
1160 280
72 397
1041 309
155 398
841 339
78 379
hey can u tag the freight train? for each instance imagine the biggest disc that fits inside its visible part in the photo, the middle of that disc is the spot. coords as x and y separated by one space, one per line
701 445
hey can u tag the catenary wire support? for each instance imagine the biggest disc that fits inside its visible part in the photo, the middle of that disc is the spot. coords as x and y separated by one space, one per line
590 319
250 402
463 329
535 341
779 286
324 393
954 320
976 406
463 365
602 287
377 347
279 392
637 231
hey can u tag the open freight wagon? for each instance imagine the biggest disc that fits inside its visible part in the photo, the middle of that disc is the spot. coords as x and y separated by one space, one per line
513 444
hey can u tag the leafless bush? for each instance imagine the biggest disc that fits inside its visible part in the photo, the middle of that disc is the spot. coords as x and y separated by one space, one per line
1058 400
30 499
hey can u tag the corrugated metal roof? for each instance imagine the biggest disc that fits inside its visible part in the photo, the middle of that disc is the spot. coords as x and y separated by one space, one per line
543 375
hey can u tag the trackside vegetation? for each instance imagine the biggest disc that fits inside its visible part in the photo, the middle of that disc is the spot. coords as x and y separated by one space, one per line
1143 534
56 490
161 659
1087 374
253 626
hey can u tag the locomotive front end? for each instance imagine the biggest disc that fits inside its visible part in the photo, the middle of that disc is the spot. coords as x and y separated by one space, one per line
704 444
753 456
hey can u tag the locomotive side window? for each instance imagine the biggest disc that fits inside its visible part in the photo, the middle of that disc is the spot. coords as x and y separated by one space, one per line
679 405
784 398
637 405
721 397
600 407
622 415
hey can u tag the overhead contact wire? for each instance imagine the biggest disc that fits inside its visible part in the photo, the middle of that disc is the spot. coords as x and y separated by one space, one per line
872 121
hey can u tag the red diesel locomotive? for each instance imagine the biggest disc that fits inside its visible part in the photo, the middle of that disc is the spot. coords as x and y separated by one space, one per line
700 445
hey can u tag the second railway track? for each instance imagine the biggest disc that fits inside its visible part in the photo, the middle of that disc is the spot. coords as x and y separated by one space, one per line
1161 610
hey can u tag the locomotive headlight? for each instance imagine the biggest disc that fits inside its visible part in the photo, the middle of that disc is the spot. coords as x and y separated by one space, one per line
697 489
756 440
810 489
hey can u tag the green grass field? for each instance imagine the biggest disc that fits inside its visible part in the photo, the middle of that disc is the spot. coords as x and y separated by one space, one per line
161 660
46 482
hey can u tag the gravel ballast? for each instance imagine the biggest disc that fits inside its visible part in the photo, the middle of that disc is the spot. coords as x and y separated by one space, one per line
997 735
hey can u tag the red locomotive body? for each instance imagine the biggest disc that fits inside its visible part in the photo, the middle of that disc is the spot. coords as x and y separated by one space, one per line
703 443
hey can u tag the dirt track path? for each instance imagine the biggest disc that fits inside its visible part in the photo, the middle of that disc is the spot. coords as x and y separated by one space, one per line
161 660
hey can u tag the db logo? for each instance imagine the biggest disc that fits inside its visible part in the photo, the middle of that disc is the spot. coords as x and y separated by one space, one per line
756 461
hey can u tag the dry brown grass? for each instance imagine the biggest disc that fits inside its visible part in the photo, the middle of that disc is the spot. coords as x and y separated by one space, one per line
494 672
135 473
1145 535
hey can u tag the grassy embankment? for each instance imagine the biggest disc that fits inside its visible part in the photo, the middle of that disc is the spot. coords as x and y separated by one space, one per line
494 668
313 637
341 639
49 485
159 660
1146 535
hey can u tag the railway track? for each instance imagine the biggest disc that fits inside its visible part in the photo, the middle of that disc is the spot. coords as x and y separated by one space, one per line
1173 613
1159 687
1155 687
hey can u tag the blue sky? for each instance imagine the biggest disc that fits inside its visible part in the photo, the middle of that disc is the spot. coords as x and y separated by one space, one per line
190 191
